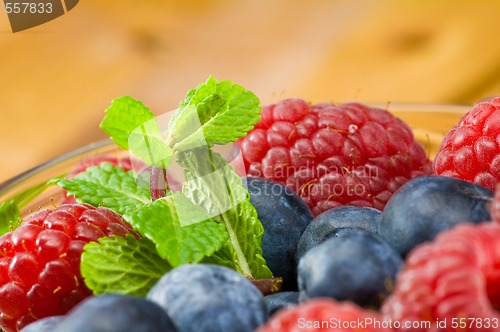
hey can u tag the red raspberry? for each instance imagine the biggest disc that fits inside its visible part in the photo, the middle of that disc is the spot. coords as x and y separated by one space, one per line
471 150
334 155
40 261
325 315
452 281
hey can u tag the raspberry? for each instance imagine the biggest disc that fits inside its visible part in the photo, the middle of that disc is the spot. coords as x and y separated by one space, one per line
324 315
40 261
456 278
332 155
471 150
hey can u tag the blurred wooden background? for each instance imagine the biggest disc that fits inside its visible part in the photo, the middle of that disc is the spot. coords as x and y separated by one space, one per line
57 79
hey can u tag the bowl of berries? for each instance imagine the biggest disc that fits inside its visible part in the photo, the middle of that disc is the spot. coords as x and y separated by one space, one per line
234 216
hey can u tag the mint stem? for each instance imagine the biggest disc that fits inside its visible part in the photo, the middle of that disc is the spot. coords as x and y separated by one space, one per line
267 286
240 255
158 183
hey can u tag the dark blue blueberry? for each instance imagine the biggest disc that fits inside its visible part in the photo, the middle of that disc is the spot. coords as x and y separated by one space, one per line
281 300
47 324
209 298
356 267
284 216
337 222
116 313
426 206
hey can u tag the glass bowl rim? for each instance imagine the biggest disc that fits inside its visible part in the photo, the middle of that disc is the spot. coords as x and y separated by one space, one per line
13 181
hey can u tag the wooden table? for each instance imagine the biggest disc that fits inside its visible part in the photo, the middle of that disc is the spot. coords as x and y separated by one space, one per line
57 79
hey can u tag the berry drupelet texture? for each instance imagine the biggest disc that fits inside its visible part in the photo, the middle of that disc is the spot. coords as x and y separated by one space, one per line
471 150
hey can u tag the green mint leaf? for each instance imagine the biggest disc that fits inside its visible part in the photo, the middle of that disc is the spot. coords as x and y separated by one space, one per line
249 232
216 112
212 183
109 186
122 265
10 215
150 147
123 116
131 125
181 231
224 256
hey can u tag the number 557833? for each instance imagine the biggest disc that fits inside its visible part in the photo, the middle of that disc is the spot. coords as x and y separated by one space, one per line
28 8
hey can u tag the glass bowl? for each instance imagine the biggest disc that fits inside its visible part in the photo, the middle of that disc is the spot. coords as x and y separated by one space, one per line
429 123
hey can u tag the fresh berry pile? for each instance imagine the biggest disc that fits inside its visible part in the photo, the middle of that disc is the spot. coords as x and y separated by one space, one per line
292 247
333 155
471 150
40 261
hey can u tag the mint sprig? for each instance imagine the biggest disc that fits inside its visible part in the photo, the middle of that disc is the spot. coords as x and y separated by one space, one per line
210 220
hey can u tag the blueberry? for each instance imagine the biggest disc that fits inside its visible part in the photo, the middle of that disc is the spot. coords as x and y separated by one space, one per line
47 324
356 267
337 222
426 206
281 300
205 298
284 216
116 313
